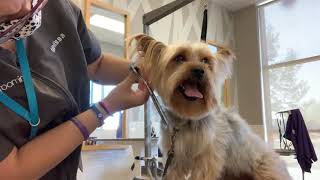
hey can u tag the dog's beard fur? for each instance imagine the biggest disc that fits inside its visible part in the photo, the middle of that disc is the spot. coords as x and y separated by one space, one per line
188 77
212 141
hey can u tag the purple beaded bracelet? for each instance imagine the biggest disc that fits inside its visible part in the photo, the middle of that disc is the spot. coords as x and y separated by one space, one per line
84 131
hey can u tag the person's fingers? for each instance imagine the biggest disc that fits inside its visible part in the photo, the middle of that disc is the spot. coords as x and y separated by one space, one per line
131 79
125 97
142 86
142 95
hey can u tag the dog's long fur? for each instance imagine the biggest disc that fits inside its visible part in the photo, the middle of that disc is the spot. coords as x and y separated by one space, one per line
213 143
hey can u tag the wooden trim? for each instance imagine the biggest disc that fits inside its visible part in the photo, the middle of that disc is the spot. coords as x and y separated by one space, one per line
226 88
110 7
87 12
219 46
227 99
124 125
127 34
124 140
103 5
125 131
104 147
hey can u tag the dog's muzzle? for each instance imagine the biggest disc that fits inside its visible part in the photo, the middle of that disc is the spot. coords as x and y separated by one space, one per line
193 88
198 73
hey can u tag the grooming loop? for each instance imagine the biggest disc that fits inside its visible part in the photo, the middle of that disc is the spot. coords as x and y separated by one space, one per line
155 101
163 116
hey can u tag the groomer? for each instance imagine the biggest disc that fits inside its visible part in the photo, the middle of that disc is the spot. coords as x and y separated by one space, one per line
47 57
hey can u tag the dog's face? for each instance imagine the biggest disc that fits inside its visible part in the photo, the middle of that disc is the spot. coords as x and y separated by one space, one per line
188 77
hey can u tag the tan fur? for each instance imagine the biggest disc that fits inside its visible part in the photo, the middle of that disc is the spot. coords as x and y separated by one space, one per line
213 143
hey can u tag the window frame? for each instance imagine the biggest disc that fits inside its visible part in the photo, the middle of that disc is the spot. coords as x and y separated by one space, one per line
227 85
265 68
110 7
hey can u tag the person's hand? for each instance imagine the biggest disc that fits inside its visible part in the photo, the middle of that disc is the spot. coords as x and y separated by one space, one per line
123 97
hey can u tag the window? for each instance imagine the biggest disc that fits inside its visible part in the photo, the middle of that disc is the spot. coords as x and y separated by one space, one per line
110 26
225 96
112 123
290 54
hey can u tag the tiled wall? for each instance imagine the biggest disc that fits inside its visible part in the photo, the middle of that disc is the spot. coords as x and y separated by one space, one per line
183 25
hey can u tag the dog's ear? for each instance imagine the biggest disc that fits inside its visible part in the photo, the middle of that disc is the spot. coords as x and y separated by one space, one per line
224 63
146 46
145 51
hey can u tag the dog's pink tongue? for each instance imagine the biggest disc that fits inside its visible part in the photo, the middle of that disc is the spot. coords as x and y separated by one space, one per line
192 91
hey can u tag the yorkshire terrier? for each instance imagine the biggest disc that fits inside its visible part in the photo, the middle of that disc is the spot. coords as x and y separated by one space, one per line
212 143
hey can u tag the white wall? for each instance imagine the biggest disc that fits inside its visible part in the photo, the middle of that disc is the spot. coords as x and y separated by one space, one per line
248 67
112 48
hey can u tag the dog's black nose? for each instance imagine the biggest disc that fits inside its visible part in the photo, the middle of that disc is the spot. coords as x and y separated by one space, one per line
198 73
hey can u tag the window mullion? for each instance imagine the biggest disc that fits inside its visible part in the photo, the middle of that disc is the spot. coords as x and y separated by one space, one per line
294 62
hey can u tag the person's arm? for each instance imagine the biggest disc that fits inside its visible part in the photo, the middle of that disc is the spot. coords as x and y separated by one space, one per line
37 157
108 69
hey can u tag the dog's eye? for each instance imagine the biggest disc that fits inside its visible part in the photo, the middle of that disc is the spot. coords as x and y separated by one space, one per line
205 60
180 58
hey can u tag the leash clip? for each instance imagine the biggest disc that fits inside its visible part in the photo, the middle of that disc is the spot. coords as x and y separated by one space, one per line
35 125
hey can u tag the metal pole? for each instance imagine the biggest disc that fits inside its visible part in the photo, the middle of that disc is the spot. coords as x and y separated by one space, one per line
147 121
159 13
146 29
147 126
148 19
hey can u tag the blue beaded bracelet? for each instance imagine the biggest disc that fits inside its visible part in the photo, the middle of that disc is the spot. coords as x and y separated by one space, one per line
98 113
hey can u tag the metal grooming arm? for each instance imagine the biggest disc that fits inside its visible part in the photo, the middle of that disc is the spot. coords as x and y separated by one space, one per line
148 19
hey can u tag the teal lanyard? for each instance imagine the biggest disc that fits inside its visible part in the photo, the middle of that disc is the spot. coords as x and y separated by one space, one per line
32 116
